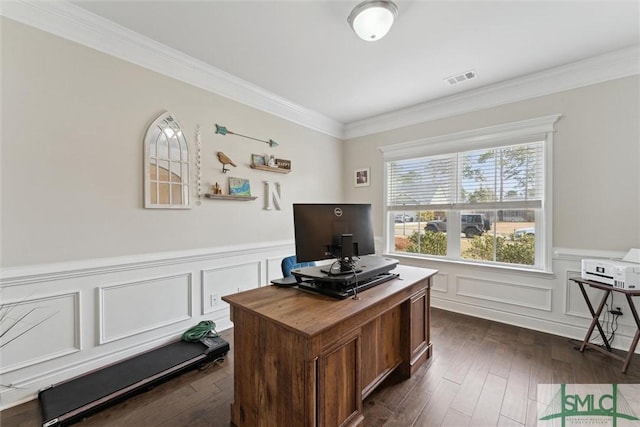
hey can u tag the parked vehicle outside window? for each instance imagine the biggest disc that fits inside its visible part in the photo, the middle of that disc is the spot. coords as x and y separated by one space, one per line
521 232
403 218
471 225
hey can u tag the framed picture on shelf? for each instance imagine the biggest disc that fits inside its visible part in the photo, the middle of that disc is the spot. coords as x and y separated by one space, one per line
258 160
361 177
239 187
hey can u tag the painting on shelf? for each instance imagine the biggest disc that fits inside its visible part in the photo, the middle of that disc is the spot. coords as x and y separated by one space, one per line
239 187
258 160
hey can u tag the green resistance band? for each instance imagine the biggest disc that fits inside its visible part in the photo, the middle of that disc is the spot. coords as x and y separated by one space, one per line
200 331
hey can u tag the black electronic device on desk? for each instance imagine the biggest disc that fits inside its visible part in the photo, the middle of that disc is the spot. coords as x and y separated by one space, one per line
342 292
368 271
344 233
285 281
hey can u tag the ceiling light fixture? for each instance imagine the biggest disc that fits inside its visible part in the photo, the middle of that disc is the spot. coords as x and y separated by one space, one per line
372 19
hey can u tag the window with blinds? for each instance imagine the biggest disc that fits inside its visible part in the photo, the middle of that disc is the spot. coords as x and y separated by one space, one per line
505 177
480 196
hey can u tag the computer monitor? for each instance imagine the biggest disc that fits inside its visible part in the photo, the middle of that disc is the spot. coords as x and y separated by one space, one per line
327 231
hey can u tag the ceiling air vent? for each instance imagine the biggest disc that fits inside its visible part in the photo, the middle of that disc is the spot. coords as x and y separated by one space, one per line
467 75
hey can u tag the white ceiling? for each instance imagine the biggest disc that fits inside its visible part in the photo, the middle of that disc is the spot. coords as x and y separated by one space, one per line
305 52
299 59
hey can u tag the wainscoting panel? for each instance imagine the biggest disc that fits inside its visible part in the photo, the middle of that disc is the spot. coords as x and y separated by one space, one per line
545 302
440 282
574 301
107 309
274 269
148 304
504 292
576 307
96 312
218 282
52 319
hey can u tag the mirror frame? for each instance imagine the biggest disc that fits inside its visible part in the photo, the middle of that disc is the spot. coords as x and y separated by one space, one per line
166 131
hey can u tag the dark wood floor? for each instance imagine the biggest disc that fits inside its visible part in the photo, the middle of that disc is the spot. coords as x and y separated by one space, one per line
482 373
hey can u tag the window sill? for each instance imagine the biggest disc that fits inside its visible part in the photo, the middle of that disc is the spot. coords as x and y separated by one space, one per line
483 267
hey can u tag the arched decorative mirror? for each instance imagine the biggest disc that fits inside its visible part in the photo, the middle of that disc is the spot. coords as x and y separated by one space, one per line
166 165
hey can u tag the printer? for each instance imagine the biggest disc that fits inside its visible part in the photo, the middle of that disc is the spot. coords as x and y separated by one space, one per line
624 274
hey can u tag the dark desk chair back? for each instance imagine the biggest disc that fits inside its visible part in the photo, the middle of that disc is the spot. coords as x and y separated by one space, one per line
289 263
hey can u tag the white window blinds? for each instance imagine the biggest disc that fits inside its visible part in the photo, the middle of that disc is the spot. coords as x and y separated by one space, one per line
506 177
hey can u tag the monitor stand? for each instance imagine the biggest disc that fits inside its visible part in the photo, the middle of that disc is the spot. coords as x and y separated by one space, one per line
341 292
369 266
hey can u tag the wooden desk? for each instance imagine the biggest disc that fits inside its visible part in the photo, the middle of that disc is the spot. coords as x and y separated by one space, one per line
595 322
302 359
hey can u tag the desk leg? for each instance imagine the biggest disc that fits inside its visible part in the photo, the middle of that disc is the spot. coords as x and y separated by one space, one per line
634 343
595 316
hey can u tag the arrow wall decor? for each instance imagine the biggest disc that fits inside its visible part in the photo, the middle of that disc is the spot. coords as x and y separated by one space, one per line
223 131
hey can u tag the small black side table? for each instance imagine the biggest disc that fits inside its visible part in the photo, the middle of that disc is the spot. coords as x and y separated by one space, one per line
596 322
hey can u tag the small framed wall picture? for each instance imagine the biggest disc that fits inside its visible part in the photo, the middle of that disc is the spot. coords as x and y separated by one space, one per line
239 187
258 160
361 177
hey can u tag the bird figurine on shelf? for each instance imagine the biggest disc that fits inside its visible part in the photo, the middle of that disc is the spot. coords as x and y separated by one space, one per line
225 160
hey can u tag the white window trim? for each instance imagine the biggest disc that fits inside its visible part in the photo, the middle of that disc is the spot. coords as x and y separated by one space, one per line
487 137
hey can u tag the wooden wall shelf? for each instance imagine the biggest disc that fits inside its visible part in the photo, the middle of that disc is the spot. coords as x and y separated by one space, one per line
270 169
227 197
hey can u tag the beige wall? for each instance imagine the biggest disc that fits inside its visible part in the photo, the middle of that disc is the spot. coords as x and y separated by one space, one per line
596 170
73 121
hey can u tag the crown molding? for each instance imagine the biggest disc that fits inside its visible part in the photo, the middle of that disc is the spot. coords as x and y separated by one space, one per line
610 66
71 22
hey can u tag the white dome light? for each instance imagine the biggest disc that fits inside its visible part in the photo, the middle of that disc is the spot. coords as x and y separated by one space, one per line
372 19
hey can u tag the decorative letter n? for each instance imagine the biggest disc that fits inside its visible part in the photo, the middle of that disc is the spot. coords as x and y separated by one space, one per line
272 197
